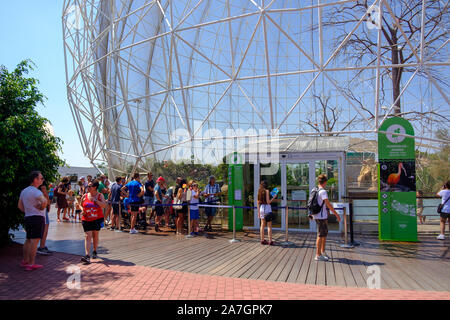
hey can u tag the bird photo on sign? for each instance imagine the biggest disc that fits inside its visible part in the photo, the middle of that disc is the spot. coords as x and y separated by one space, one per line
397 176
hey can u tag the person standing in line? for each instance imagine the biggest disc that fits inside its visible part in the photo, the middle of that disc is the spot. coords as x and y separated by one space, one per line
78 208
103 189
181 196
70 204
194 212
33 203
115 203
322 218
135 194
419 201
159 196
50 193
445 213
83 186
42 249
211 192
149 194
61 198
93 204
265 210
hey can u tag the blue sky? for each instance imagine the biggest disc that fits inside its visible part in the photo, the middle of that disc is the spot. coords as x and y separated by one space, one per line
32 29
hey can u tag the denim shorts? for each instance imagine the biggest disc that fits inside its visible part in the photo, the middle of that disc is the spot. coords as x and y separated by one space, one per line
210 211
195 214
47 220
148 201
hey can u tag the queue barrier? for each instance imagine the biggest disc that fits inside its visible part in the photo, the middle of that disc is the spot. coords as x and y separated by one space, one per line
235 240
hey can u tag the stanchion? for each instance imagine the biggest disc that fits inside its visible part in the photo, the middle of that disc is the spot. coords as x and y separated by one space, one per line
188 236
345 244
234 240
352 240
287 242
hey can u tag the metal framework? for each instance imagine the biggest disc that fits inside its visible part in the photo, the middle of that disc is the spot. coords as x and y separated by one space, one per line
147 77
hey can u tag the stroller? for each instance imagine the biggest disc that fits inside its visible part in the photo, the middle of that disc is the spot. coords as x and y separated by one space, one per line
141 219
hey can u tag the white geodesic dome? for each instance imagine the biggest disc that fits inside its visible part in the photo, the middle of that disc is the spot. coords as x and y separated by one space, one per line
157 79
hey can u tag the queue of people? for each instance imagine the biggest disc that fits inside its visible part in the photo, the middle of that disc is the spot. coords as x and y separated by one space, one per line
99 202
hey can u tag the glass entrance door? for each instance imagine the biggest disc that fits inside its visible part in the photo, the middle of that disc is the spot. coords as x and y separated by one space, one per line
297 193
273 178
331 169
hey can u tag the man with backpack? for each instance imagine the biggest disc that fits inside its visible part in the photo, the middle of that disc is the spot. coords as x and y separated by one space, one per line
318 207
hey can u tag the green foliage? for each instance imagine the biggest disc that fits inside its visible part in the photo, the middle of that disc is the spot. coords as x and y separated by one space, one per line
433 169
25 144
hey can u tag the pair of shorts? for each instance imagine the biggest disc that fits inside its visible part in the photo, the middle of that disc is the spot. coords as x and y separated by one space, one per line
444 215
210 211
148 201
134 206
115 208
47 220
94 225
34 227
195 214
322 227
159 209
184 208
263 209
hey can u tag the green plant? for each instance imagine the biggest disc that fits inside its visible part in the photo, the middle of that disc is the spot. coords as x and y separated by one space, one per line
25 143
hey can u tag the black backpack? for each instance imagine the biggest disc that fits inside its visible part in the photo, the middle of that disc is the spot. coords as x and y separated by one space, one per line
313 206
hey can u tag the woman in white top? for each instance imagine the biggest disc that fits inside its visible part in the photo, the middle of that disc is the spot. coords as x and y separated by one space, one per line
445 214
264 210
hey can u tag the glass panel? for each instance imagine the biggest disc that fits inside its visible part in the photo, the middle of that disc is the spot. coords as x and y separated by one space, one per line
331 169
274 181
297 186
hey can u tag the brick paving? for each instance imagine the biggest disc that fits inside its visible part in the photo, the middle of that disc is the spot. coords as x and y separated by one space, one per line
117 280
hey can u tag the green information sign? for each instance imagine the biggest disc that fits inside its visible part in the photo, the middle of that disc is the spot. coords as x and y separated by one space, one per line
396 181
235 193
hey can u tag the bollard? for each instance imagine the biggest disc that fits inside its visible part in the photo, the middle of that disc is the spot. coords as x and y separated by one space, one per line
234 240
120 216
345 244
287 242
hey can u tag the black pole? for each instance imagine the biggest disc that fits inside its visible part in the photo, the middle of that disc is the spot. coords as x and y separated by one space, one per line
352 240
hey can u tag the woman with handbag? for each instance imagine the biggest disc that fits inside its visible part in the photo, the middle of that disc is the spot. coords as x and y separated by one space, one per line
181 205
265 212
444 208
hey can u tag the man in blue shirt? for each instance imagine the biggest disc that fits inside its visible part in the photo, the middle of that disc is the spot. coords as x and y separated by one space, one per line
149 193
211 193
135 193
115 203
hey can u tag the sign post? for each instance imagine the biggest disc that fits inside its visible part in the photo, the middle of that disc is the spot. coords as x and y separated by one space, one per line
396 181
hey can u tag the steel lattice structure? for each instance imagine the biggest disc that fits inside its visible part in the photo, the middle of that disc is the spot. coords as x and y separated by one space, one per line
140 71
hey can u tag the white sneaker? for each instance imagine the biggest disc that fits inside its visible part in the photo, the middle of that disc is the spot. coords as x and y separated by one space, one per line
320 258
441 237
133 231
325 256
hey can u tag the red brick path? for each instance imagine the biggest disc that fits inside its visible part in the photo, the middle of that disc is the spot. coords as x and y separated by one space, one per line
112 279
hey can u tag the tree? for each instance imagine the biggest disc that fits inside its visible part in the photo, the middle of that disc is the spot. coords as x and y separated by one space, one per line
25 143
326 118
401 27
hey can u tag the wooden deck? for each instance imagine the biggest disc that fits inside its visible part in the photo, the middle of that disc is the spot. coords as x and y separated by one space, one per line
409 266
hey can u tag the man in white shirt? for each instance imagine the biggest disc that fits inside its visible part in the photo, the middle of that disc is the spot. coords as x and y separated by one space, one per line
322 219
33 203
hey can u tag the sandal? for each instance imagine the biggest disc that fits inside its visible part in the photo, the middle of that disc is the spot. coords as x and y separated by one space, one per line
264 242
